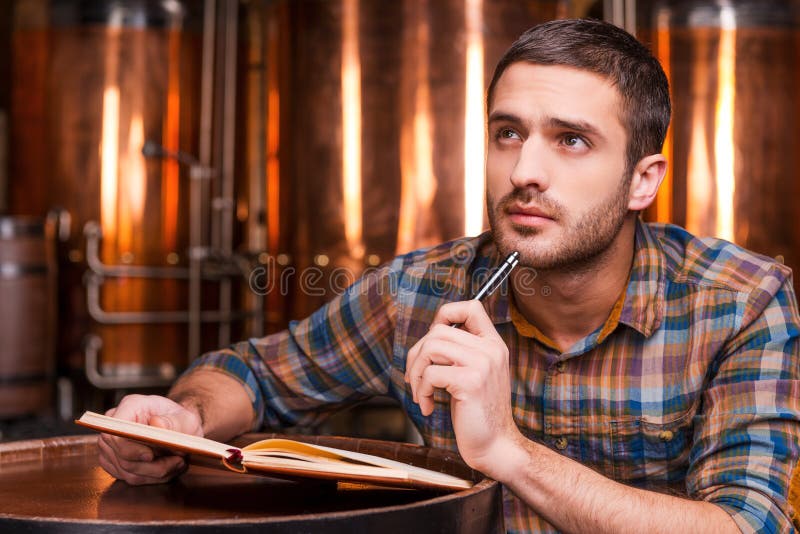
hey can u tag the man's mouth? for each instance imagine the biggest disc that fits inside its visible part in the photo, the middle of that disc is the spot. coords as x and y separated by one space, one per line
528 215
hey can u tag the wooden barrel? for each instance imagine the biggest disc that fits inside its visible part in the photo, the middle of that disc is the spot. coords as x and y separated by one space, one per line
27 316
56 485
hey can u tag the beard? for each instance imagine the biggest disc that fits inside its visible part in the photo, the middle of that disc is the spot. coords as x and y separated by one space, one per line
582 242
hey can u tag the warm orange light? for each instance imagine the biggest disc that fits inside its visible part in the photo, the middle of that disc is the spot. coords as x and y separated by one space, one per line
273 139
134 179
351 129
109 146
474 122
724 157
127 220
699 183
418 182
665 193
170 183
109 161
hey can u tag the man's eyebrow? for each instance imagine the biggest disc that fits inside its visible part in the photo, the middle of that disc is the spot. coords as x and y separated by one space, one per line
574 125
501 116
579 126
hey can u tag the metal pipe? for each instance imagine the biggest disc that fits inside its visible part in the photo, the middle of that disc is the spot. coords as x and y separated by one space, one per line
621 13
225 213
93 234
91 350
210 271
257 142
196 187
96 311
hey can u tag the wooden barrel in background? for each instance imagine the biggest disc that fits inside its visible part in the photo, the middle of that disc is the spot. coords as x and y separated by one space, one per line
27 316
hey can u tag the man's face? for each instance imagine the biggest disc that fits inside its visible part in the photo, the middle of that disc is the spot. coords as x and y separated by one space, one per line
557 184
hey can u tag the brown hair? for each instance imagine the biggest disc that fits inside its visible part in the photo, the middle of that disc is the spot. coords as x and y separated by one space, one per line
603 49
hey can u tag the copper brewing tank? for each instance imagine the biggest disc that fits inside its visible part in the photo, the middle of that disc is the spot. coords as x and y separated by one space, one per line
342 123
92 81
364 103
734 144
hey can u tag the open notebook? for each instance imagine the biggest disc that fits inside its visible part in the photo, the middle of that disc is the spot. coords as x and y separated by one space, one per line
283 457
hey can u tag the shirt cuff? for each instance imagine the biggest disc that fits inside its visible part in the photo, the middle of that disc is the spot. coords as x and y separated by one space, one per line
231 363
751 510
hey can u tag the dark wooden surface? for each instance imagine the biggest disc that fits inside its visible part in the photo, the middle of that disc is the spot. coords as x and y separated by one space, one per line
56 485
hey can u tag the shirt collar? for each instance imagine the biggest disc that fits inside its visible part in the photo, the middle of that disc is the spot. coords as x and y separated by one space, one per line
643 309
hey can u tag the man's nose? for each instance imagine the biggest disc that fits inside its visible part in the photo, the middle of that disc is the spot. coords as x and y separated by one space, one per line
531 167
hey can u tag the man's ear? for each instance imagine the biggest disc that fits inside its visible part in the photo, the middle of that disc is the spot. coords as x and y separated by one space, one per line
647 176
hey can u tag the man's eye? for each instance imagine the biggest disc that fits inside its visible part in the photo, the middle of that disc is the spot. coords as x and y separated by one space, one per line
507 133
573 140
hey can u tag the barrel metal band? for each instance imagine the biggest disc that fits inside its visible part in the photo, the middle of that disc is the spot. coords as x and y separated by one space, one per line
15 270
25 379
14 227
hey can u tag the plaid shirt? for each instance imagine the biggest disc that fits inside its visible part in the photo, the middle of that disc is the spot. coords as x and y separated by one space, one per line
690 386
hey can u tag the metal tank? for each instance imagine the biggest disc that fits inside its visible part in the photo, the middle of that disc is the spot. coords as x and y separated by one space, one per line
366 120
318 137
93 84
734 145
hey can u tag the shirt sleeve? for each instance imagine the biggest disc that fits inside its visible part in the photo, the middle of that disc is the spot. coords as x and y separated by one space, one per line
746 435
339 355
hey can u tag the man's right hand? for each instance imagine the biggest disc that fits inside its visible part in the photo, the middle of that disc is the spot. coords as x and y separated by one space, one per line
136 463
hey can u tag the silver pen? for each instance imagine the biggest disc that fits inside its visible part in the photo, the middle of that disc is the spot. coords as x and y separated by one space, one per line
499 276
496 280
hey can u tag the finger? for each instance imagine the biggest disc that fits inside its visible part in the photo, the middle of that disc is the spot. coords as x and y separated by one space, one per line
439 352
437 331
448 378
134 408
180 421
470 314
127 449
170 468
156 471
411 357
108 459
159 470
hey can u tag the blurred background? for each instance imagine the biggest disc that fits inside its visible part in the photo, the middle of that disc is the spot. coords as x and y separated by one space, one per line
177 175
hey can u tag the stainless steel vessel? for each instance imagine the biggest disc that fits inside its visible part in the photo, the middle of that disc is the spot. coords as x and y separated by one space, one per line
319 138
734 143
92 82
373 117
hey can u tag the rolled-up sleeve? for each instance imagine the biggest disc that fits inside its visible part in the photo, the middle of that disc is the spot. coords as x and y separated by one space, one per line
746 434
336 357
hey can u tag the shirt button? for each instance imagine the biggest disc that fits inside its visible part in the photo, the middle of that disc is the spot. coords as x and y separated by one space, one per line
560 366
561 443
666 435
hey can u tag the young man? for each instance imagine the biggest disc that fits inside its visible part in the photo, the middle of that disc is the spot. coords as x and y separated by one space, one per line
622 363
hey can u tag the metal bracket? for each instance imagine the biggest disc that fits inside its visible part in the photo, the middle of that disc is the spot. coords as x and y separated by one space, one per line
96 311
91 349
